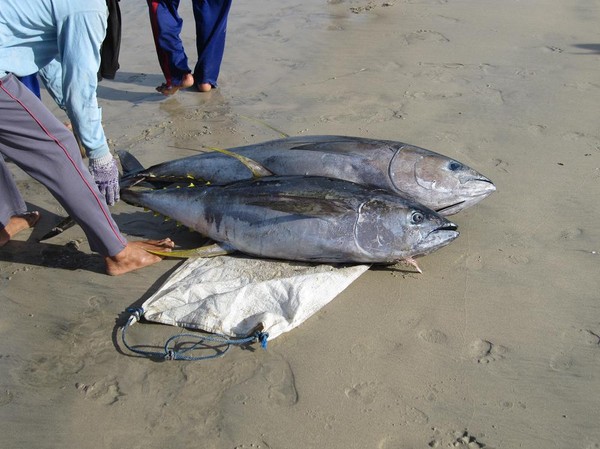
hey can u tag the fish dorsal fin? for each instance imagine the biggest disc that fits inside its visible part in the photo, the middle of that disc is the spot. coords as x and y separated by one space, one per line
257 169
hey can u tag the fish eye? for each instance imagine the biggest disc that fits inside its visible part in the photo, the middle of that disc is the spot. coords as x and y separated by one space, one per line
417 217
453 166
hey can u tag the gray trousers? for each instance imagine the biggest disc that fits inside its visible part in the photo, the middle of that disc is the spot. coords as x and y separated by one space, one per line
36 141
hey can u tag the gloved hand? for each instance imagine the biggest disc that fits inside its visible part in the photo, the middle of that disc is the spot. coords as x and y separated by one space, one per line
106 175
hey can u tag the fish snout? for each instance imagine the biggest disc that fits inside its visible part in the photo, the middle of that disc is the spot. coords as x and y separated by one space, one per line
478 185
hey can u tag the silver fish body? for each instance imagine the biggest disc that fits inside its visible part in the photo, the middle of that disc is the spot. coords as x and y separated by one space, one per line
436 181
304 218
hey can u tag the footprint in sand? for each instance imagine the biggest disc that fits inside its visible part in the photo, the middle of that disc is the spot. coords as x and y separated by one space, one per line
561 362
51 370
327 421
474 262
573 136
393 443
433 336
484 351
99 302
364 392
282 384
537 130
425 36
106 393
412 415
571 233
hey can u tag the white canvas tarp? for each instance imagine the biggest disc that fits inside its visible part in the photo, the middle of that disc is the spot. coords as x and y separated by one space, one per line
232 295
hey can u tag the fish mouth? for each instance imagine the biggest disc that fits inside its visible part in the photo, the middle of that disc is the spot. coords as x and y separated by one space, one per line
451 227
448 230
485 187
489 185
450 207
438 238
443 235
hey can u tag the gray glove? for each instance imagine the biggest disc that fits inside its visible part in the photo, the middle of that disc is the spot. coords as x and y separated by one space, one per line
106 176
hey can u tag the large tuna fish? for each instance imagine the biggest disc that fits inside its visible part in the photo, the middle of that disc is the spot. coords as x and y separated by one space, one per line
436 181
303 218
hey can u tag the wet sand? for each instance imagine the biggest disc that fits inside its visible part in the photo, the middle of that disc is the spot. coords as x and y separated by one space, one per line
495 345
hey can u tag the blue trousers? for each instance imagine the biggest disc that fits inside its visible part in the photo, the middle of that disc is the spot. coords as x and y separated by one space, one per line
211 24
32 82
35 140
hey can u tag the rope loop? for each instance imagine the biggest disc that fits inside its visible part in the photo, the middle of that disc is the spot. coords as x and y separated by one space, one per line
173 350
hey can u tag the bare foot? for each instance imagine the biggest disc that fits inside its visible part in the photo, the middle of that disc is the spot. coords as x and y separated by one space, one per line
159 245
17 224
204 87
135 256
170 89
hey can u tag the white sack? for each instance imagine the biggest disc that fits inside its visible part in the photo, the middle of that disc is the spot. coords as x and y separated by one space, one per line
232 295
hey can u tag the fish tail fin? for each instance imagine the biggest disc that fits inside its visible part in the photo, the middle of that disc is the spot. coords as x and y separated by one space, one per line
129 163
133 172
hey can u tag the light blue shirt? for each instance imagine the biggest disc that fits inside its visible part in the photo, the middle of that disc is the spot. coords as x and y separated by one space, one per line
63 37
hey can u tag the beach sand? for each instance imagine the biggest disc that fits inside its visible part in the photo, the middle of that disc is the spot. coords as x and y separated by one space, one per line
495 345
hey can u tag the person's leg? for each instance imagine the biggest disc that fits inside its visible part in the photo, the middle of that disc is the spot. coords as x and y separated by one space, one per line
211 26
16 224
111 46
13 215
35 140
166 28
42 146
11 201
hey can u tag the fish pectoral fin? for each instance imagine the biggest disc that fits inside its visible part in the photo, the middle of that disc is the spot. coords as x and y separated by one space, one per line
213 250
258 170
411 263
311 207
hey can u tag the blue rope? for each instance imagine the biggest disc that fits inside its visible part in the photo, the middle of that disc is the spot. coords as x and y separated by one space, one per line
180 353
